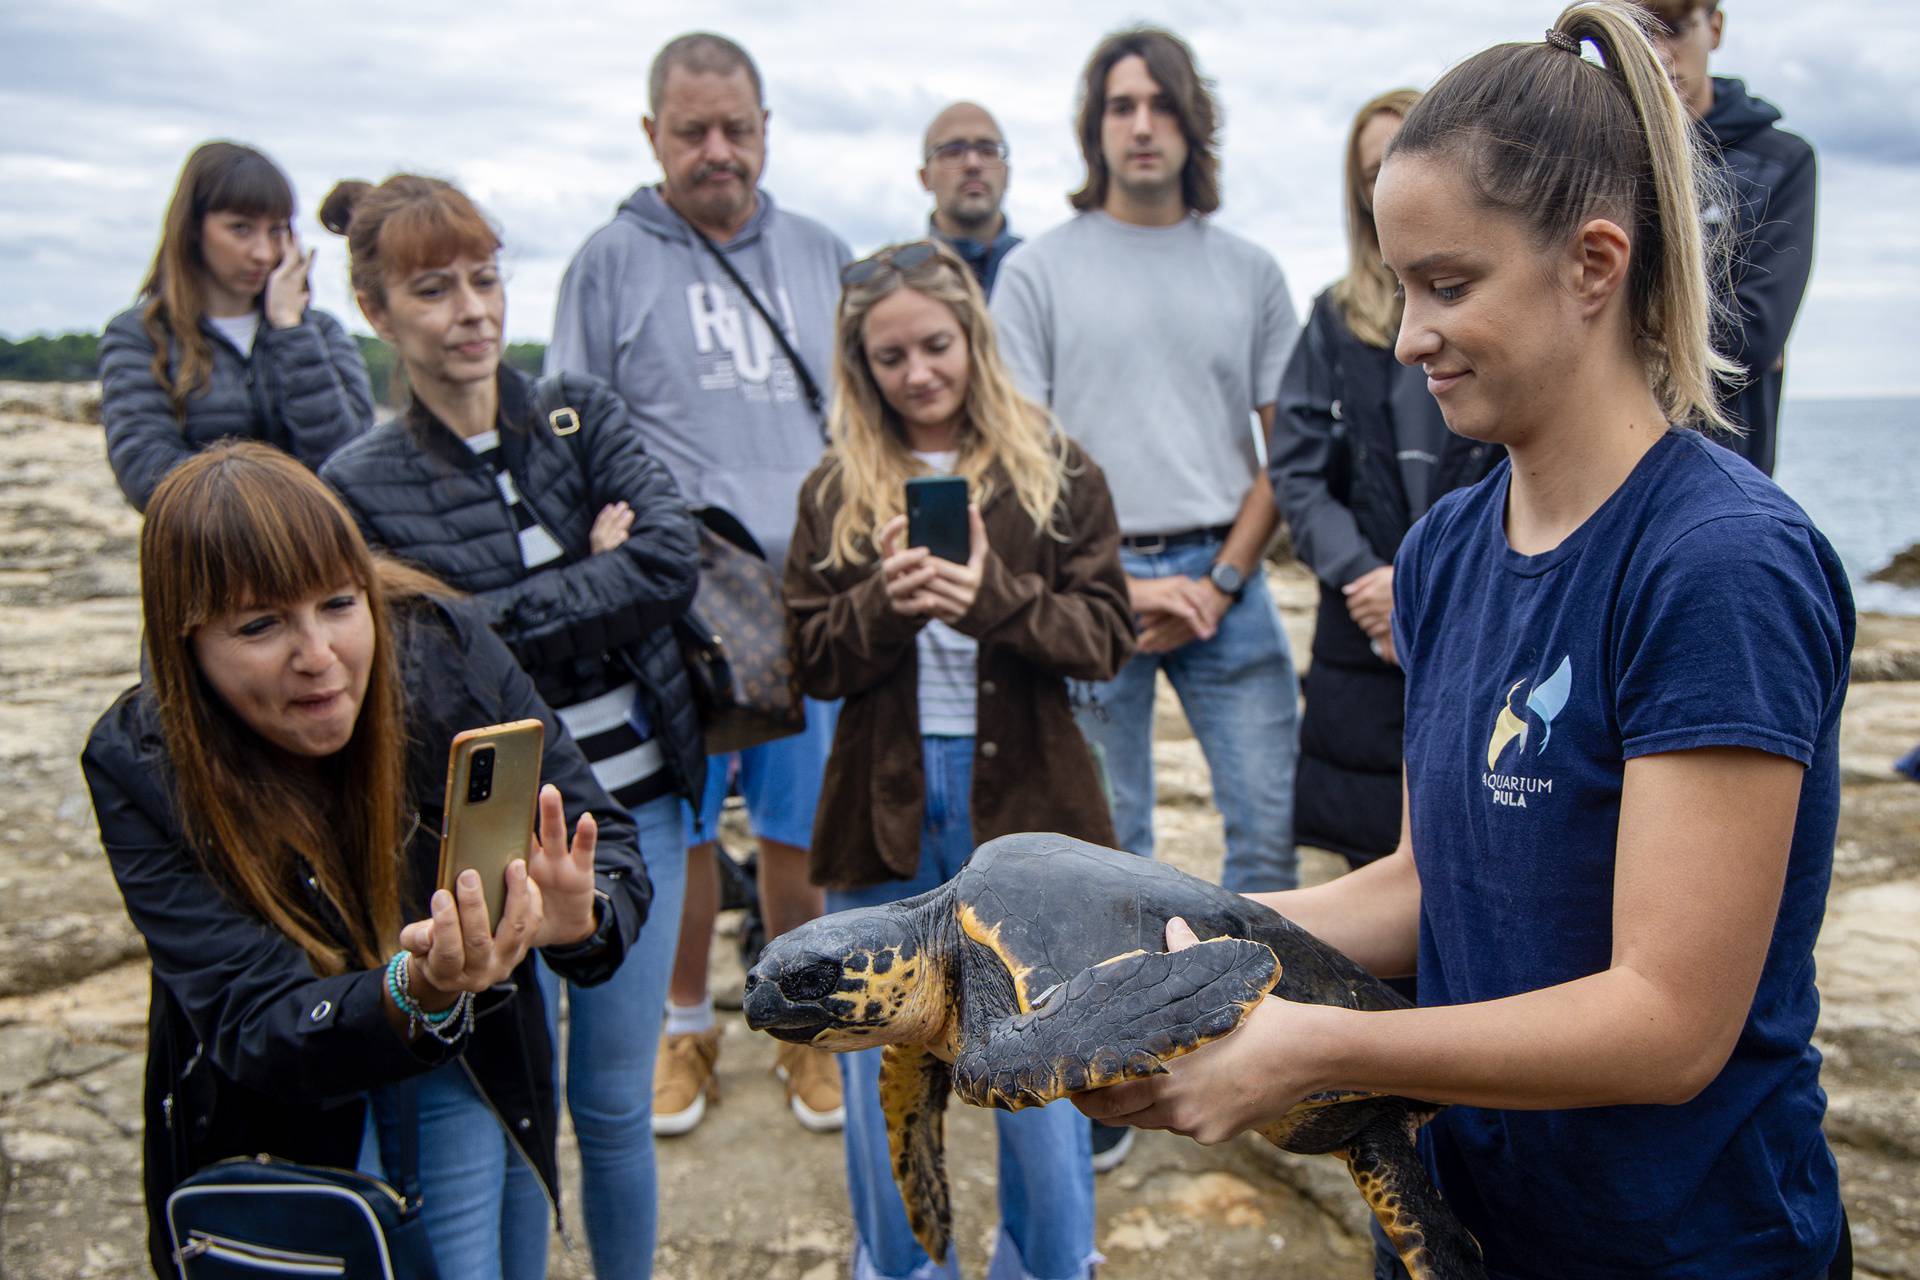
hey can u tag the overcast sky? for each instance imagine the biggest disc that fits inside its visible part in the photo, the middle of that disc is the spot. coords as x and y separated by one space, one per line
533 109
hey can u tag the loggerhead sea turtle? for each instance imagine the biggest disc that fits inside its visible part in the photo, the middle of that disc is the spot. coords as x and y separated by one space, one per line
1038 972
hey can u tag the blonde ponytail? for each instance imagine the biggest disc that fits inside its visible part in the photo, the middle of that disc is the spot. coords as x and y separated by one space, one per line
1556 140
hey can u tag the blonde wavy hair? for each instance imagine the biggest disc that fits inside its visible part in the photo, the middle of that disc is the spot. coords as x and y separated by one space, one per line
868 457
1368 295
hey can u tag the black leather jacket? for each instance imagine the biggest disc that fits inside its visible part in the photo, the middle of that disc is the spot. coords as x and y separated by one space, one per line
417 490
1337 479
248 1051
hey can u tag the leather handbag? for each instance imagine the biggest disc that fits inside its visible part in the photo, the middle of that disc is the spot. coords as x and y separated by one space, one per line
258 1215
735 645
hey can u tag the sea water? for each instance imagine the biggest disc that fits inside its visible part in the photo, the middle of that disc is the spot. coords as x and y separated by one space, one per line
1854 466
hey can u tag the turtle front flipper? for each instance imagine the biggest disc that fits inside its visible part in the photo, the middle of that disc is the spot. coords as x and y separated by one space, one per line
913 1093
1122 1019
1431 1242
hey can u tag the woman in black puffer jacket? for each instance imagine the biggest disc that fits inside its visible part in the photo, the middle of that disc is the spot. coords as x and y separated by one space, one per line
222 342
1359 453
537 498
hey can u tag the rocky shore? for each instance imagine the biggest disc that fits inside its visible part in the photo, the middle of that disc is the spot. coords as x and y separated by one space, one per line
750 1194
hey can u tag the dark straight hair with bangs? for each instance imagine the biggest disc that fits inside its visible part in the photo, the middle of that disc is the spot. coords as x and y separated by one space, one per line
1546 136
218 177
1171 64
242 525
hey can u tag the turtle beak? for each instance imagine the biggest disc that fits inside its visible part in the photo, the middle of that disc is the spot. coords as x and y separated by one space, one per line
783 1000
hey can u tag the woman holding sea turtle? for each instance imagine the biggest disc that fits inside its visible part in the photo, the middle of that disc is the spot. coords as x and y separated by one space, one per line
956 726
1626 654
222 342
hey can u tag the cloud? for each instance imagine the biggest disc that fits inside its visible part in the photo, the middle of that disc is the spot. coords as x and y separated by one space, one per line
535 112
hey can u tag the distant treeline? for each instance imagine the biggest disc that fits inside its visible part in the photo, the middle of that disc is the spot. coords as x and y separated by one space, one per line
75 357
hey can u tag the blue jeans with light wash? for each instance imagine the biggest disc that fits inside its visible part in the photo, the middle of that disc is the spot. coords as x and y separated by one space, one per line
613 1036
1241 696
487 1216
1046 1180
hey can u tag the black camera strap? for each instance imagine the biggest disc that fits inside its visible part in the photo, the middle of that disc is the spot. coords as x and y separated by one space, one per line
815 400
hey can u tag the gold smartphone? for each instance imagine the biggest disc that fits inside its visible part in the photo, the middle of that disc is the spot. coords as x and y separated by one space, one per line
493 793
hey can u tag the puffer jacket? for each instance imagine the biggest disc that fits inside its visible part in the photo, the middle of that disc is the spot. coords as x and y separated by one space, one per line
418 491
302 389
1337 479
248 1050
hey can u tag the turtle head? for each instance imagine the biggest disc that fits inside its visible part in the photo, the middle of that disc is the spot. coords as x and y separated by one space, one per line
852 980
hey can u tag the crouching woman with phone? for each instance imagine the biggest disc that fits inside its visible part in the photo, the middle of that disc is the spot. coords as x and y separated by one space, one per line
270 796
956 726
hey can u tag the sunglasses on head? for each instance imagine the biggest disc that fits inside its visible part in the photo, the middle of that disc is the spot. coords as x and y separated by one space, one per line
900 257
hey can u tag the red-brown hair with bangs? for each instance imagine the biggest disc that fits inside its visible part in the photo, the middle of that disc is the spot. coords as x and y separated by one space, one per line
405 224
242 525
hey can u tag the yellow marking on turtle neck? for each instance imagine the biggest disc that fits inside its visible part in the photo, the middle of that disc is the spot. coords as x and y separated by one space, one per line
988 936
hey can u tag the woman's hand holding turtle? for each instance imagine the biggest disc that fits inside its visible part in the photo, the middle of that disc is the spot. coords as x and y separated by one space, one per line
1223 1089
610 527
905 570
563 872
454 951
285 299
954 587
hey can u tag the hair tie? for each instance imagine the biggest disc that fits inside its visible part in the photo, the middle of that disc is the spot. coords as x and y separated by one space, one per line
1562 41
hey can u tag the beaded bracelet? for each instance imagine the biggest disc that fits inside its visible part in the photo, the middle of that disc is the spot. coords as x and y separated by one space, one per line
446 1026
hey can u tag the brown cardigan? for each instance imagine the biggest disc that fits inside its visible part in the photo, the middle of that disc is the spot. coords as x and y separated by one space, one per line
1047 611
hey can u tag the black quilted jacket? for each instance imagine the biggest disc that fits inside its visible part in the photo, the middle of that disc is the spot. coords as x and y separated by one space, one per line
417 490
303 390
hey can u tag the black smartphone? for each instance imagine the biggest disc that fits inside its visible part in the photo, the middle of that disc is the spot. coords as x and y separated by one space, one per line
937 516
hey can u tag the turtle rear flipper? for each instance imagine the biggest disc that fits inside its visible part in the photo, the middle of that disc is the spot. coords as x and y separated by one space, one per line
1430 1241
913 1093
1119 1020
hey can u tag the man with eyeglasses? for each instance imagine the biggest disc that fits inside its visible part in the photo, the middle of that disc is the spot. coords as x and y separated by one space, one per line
1771 173
964 165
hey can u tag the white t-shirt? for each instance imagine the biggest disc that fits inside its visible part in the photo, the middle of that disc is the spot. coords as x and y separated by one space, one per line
239 330
948 660
1153 346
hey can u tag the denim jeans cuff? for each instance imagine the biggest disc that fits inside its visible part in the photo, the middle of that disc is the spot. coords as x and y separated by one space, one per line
1007 1264
864 1269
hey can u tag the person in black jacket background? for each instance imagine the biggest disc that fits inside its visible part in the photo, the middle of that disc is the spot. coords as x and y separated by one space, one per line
1771 176
1359 452
222 342
539 500
269 797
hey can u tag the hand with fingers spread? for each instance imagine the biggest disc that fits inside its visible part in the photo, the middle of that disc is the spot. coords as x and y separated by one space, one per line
454 950
954 587
905 570
610 527
563 871
288 288
1222 1089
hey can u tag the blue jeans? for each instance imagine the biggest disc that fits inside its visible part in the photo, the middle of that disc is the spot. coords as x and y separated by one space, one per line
613 1036
1046 1180
1241 697
487 1215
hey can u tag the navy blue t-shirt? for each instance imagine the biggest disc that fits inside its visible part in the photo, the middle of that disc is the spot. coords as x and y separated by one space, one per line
1698 607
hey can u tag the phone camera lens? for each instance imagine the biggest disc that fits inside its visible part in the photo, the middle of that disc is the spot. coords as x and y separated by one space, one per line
480 776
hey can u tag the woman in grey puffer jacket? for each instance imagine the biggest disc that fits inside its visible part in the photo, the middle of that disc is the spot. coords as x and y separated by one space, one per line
222 342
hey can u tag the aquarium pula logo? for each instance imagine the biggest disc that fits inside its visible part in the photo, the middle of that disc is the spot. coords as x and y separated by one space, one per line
1549 696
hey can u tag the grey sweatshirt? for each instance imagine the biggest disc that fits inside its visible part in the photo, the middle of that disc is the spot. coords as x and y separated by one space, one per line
645 306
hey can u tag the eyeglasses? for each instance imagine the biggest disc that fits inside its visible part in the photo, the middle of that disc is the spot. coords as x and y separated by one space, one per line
991 151
900 257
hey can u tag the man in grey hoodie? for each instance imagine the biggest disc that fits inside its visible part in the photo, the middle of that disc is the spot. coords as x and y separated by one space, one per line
656 302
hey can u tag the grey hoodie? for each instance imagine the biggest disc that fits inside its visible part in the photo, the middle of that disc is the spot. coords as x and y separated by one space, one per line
645 307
